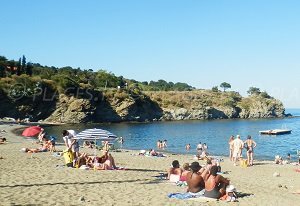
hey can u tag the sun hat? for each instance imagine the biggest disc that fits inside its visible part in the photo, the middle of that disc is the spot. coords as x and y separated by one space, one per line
230 188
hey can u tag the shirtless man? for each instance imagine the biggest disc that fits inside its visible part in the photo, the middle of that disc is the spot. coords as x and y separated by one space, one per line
194 179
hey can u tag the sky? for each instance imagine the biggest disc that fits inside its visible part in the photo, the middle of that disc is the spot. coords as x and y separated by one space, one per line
202 43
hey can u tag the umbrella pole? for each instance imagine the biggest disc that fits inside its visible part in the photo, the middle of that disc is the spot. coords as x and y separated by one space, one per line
95 154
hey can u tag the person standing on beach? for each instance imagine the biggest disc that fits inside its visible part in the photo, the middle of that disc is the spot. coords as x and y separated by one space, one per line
250 145
199 149
231 147
158 144
188 147
238 145
70 142
164 144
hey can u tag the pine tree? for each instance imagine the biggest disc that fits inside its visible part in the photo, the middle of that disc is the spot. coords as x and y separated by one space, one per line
23 64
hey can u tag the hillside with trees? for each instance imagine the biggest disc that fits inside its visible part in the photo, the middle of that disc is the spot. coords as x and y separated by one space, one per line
73 95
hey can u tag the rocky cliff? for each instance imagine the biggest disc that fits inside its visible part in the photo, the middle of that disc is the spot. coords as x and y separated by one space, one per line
117 106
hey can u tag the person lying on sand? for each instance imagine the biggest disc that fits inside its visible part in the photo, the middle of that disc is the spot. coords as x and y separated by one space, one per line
46 147
105 162
2 140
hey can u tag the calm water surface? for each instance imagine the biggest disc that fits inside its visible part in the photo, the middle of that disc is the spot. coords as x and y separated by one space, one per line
215 133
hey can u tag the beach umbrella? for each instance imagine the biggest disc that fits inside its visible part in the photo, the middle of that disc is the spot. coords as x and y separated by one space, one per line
96 134
32 131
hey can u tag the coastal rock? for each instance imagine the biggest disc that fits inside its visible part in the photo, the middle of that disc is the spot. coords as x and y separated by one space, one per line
119 105
71 110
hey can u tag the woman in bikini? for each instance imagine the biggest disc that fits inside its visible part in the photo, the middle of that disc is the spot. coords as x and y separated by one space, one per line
215 185
185 171
250 145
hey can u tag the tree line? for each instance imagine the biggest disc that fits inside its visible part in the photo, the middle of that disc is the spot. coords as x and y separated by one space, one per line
66 77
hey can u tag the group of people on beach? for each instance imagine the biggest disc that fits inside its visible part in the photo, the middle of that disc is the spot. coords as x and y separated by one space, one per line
82 160
201 181
71 154
236 146
46 142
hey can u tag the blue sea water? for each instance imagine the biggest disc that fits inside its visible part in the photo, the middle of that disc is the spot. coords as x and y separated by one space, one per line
215 133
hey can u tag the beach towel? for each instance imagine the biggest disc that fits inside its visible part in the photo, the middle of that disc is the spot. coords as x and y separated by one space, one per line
174 178
186 195
69 157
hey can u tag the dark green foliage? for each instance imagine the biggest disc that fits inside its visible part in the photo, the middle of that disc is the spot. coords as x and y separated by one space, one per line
23 65
67 77
215 89
162 85
264 94
225 86
29 68
253 90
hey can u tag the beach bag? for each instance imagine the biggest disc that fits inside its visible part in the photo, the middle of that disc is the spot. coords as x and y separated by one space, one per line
243 163
68 157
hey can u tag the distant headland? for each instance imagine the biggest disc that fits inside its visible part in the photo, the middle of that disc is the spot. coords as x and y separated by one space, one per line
71 95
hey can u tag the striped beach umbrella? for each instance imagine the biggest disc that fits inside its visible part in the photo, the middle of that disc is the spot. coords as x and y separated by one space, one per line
96 134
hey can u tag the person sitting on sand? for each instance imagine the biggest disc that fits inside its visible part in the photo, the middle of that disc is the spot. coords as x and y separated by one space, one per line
42 136
215 184
107 162
2 140
87 144
278 160
152 152
194 179
185 171
174 172
81 161
203 156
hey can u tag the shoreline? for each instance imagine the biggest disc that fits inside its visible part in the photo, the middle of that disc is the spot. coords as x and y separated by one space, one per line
17 131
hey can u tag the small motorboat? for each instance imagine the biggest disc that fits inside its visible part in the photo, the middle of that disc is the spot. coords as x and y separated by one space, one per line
276 131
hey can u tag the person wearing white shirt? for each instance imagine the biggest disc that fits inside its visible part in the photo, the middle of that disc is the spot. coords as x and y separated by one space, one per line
238 145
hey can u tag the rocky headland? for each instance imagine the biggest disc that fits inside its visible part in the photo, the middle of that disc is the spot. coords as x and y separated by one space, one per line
122 105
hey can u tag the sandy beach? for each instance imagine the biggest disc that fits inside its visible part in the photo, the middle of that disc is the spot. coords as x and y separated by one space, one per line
42 179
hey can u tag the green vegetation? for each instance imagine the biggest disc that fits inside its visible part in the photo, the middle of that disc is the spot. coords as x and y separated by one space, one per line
25 79
68 77
225 86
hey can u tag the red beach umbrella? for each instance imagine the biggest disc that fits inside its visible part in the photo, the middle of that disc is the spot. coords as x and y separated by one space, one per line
31 131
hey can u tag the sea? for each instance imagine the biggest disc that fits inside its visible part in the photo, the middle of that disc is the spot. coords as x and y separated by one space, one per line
215 133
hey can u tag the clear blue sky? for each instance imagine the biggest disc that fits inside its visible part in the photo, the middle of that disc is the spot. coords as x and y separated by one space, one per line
202 43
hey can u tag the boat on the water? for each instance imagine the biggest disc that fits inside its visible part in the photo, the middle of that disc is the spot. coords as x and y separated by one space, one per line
276 131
